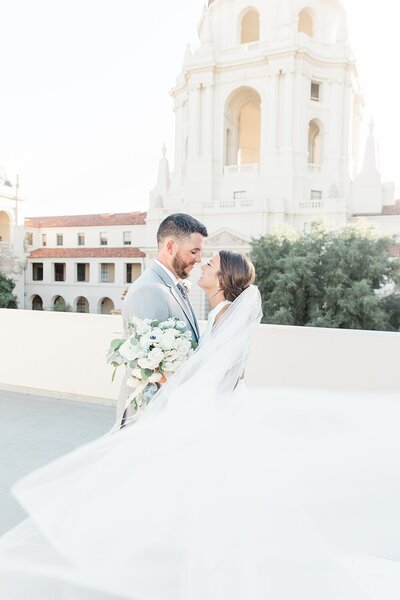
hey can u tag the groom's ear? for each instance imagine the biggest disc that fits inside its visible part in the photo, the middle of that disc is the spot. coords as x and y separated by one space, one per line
170 246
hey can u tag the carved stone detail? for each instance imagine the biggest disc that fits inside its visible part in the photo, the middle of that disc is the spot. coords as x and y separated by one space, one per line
225 239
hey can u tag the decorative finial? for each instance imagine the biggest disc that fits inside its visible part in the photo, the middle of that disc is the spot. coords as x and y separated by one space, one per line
188 55
371 127
164 150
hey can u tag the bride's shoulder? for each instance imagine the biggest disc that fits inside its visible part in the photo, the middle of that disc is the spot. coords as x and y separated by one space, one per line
222 311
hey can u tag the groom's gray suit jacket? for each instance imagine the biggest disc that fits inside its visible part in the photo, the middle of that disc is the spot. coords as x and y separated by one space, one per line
154 295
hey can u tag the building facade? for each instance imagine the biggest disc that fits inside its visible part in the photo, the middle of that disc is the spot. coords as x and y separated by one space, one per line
82 262
268 112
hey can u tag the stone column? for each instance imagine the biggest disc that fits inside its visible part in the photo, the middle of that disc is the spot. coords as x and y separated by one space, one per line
194 120
208 121
288 102
331 92
269 114
179 141
345 146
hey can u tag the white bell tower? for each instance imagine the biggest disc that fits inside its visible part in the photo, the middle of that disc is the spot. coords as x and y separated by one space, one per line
268 112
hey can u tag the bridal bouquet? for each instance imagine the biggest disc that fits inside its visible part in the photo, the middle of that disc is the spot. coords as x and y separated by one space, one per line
153 351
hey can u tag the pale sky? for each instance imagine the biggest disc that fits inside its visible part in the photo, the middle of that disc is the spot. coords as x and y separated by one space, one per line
84 100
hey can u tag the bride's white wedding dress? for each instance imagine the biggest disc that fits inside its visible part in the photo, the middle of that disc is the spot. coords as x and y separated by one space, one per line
218 493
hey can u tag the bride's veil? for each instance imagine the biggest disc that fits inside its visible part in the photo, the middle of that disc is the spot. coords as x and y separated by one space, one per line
219 361
56 496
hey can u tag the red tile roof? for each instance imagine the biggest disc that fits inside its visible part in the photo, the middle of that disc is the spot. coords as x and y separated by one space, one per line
104 220
387 211
392 210
87 253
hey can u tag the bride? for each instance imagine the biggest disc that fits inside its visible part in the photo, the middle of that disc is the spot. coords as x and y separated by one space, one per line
216 492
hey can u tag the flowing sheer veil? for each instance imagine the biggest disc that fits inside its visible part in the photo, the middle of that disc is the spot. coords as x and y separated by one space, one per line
209 495
221 357
79 501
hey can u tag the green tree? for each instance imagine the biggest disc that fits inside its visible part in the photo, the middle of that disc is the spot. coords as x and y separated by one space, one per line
7 298
327 279
62 306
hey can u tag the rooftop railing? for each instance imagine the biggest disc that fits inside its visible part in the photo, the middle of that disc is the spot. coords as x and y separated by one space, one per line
64 355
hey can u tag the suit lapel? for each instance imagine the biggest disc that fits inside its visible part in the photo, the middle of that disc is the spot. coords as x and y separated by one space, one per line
178 297
194 317
185 307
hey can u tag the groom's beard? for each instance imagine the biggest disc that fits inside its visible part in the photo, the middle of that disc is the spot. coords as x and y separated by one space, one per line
180 265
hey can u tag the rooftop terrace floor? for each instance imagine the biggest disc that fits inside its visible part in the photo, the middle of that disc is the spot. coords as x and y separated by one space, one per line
33 431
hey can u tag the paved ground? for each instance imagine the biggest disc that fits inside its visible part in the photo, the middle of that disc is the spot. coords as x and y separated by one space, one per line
33 431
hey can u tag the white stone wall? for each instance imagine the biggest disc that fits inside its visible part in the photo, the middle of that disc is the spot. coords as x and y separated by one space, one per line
67 356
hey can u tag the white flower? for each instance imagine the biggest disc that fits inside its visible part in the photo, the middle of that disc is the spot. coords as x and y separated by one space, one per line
137 373
171 322
181 324
188 334
152 360
132 382
183 345
143 327
155 335
186 284
171 355
155 356
167 341
145 341
169 366
155 378
128 351
144 363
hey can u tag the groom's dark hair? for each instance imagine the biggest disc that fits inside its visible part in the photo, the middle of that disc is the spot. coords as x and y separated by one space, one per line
180 226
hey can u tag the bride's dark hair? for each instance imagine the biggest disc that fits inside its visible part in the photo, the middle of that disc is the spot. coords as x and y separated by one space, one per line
236 274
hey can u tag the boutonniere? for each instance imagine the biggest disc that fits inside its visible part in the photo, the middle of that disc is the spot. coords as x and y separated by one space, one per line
186 284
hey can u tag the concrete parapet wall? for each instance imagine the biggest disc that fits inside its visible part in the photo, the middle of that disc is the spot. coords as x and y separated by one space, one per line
63 354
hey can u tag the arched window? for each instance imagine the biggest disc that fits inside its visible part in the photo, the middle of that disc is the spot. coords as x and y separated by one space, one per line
5 228
250 27
60 305
242 128
82 305
314 143
306 23
106 306
37 303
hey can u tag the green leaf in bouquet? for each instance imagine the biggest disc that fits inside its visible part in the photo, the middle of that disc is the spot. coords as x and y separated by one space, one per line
146 373
114 372
116 344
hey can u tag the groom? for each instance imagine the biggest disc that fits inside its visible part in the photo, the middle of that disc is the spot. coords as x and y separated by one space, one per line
158 293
